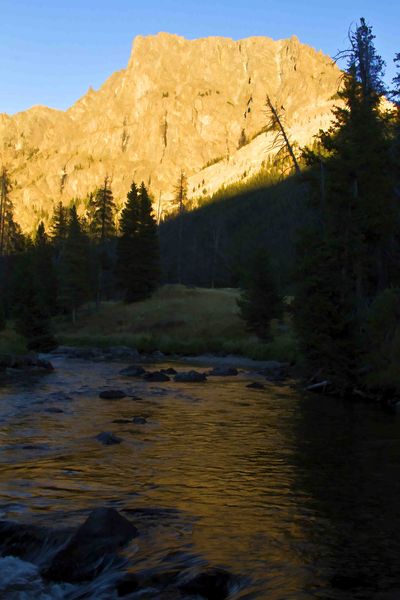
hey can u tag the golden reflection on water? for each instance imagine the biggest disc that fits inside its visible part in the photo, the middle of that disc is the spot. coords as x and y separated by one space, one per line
232 460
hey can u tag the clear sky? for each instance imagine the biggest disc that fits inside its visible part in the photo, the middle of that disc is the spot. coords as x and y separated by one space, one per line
52 50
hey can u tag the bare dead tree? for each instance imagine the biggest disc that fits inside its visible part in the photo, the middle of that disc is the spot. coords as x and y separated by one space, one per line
281 141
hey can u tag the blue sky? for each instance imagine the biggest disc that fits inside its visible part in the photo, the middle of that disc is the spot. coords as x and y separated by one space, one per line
52 50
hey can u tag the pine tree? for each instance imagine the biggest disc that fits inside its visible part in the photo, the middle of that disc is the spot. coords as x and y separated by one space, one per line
149 248
260 302
102 208
138 264
101 221
31 316
44 271
74 270
128 248
59 225
345 261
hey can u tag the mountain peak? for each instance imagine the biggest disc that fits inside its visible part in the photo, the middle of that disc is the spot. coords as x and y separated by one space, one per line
196 105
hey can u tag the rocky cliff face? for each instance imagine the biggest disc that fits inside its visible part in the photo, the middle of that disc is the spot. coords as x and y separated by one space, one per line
179 104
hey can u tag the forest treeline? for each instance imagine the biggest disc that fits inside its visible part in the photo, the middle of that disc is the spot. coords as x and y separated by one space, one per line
80 259
328 237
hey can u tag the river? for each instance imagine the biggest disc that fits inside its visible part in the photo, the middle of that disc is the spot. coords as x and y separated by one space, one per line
297 495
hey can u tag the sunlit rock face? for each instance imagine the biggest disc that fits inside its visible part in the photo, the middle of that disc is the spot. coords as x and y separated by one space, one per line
179 104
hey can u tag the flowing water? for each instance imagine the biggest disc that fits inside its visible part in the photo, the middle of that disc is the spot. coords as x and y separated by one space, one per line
299 496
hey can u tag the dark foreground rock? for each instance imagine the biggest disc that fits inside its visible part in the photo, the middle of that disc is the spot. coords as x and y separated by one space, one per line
156 376
112 395
213 584
108 439
223 372
26 541
93 546
190 377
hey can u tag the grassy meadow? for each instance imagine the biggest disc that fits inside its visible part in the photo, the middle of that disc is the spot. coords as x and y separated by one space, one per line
176 320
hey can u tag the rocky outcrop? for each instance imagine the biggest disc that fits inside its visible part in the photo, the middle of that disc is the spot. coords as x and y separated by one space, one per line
195 105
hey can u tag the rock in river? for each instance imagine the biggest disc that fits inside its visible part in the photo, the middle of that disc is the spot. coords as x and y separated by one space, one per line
108 439
133 371
256 385
92 546
169 371
223 372
156 376
139 420
190 377
112 394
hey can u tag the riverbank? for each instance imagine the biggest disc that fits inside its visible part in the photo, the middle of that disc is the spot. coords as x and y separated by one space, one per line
177 320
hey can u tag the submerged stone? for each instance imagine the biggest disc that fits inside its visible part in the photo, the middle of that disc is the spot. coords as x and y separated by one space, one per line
133 371
139 420
108 439
112 395
256 385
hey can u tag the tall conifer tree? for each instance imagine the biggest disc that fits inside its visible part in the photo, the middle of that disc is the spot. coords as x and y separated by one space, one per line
44 271
103 213
138 263
74 270
345 261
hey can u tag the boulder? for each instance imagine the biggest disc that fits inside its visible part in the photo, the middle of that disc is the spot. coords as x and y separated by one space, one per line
132 371
223 372
92 547
190 377
108 439
112 395
213 584
156 376
127 585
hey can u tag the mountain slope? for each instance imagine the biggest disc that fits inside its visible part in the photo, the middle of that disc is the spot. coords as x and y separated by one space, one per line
179 104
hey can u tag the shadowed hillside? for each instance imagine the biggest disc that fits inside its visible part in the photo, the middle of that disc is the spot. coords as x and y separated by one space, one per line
220 238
